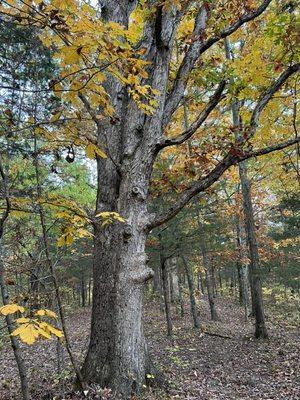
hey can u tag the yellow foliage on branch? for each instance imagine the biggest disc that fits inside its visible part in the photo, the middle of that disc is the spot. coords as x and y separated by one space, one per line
30 329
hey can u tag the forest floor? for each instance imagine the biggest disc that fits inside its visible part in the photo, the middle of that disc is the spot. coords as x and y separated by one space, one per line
197 365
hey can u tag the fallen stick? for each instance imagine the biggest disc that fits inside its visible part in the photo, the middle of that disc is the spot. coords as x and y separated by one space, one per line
217 334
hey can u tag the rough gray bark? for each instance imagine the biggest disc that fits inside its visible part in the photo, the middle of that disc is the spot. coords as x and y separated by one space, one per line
117 355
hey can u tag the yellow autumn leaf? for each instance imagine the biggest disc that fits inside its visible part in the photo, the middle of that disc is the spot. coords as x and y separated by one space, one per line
22 320
107 222
50 329
92 150
46 312
83 233
43 333
27 332
65 239
11 309
69 239
55 117
60 241
109 216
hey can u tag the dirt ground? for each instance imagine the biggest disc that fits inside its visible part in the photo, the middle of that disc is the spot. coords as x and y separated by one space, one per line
197 365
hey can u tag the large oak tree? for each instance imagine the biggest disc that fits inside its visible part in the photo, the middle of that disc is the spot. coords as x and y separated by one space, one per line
117 355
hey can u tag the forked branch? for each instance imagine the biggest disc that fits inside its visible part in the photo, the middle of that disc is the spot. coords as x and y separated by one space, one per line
188 133
197 48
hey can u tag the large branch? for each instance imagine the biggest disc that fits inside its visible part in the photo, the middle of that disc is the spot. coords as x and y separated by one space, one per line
188 133
197 48
212 177
266 97
235 155
269 149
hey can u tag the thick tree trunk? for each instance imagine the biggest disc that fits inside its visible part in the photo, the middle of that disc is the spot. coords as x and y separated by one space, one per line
117 355
257 297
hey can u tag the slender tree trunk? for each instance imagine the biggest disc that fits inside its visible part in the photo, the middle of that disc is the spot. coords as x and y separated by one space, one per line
4 293
242 273
156 281
171 284
257 297
200 280
207 268
191 285
83 290
160 288
209 285
13 340
165 281
255 281
214 281
90 291
220 281
181 300
53 274
240 283
175 279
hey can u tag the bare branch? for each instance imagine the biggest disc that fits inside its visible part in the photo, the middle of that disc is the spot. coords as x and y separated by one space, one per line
214 100
197 48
